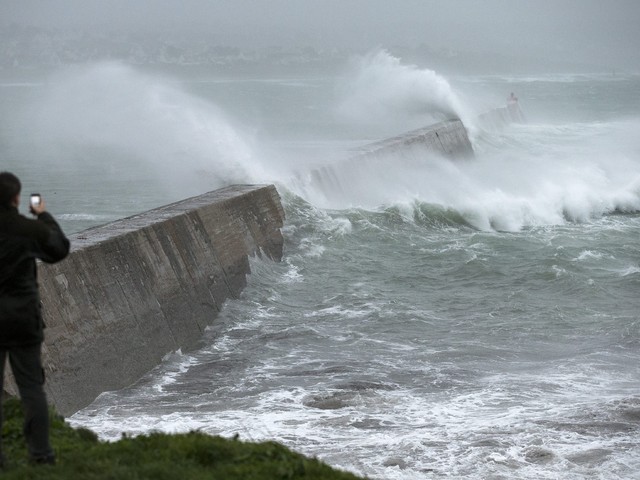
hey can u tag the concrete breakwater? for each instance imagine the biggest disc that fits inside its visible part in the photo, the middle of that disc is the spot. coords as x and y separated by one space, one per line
449 139
134 290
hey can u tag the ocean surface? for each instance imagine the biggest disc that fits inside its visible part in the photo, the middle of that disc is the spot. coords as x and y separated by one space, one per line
431 318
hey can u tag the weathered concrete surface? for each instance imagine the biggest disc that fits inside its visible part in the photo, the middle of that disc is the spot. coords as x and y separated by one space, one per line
448 138
134 290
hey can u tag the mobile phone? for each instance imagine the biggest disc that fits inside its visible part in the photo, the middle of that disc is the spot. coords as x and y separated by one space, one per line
35 199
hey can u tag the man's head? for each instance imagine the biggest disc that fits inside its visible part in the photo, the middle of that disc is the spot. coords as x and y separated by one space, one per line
9 189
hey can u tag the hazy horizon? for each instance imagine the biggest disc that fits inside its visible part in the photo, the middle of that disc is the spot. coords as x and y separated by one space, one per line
566 31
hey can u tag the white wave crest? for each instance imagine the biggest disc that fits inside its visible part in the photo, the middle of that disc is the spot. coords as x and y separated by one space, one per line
382 90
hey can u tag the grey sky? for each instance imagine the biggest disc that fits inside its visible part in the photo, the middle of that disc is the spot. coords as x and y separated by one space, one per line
594 31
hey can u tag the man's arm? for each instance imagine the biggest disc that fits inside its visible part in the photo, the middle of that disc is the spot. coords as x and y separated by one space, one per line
56 246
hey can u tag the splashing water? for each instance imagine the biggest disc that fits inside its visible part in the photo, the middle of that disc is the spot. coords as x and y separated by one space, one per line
109 112
504 189
381 89
109 121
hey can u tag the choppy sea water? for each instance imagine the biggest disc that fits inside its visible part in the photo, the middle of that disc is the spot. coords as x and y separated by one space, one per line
430 318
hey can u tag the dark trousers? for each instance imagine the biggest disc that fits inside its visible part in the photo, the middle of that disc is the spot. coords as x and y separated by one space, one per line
26 365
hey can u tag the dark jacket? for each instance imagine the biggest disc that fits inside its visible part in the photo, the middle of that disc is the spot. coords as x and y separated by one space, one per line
22 241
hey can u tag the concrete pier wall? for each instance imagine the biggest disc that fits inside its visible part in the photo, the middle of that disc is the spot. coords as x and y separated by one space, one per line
449 139
134 290
336 181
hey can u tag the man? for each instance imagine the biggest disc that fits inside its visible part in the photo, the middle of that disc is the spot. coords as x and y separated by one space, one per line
22 241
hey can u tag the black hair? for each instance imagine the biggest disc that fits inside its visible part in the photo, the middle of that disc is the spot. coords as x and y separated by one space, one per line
9 187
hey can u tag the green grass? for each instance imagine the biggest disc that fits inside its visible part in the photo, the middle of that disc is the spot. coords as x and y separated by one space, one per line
158 456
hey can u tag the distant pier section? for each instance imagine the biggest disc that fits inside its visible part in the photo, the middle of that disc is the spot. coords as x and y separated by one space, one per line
449 139
134 290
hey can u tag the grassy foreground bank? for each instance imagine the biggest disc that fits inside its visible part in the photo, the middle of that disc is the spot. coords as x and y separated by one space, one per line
156 456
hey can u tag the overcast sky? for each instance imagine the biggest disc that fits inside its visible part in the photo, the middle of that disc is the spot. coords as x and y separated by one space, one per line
596 31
